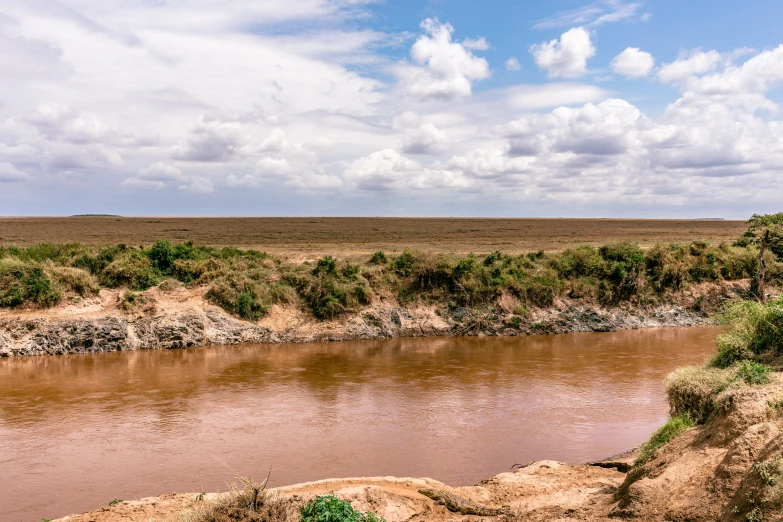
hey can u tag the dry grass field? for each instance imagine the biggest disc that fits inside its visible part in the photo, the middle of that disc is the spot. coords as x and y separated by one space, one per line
347 237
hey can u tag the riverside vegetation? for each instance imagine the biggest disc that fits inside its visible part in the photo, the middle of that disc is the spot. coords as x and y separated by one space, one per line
247 282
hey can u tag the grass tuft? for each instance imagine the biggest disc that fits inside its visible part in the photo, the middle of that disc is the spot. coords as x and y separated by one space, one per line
663 435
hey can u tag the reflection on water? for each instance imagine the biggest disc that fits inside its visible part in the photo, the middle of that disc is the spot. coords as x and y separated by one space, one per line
78 431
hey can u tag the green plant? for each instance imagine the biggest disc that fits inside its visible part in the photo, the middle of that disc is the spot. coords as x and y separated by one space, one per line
755 331
753 373
116 501
130 300
161 256
378 258
328 508
21 283
692 391
663 435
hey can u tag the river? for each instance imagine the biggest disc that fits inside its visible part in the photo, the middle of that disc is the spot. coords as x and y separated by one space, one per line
78 431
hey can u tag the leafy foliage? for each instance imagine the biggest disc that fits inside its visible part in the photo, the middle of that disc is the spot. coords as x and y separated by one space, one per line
328 508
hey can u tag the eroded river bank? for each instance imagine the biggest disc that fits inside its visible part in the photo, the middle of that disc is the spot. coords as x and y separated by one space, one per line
82 430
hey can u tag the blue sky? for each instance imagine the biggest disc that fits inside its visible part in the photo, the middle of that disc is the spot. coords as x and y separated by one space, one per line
358 107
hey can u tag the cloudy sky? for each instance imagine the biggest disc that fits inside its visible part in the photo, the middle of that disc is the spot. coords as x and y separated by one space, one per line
656 108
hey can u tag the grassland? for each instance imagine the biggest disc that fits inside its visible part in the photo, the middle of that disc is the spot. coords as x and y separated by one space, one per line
311 238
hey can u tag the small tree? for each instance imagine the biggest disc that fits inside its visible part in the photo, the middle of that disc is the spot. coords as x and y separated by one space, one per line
766 230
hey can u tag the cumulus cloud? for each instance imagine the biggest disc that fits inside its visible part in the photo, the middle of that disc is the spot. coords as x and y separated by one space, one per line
9 173
633 63
566 57
512 64
444 68
688 65
210 141
199 185
420 138
153 94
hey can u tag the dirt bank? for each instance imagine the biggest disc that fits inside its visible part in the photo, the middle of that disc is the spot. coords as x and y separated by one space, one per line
727 470
179 317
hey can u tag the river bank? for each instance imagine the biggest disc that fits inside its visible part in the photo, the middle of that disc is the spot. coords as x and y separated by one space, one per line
727 469
173 316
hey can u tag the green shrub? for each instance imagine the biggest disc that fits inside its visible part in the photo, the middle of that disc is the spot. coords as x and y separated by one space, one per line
22 284
662 435
248 298
753 373
378 258
328 508
161 256
325 265
133 271
755 331
403 264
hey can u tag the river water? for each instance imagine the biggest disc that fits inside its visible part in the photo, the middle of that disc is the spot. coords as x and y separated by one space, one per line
78 431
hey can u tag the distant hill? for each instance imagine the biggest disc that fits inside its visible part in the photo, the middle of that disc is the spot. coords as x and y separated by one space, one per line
95 215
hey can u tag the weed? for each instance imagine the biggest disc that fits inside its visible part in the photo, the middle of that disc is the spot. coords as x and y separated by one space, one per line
252 503
131 300
753 373
663 435
328 508
116 501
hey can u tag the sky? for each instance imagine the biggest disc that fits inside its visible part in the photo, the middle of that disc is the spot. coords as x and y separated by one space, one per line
564 108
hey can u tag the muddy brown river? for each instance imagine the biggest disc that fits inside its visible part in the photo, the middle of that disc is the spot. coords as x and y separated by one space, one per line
79 431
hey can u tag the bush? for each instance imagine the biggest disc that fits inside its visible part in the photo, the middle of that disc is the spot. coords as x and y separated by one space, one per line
692 391
161 256
378 258
248 298
23 284
753 373
253 503
132 271
328 508
662 435
755 332
72 279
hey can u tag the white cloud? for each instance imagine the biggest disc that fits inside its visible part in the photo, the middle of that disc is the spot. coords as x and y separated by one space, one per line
272 167
476 44
425 139
153 94
9 173
512 64
160 171
688 65
566 57
210 141
633 63
444 68
200 185
380 170
597 13
275 142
